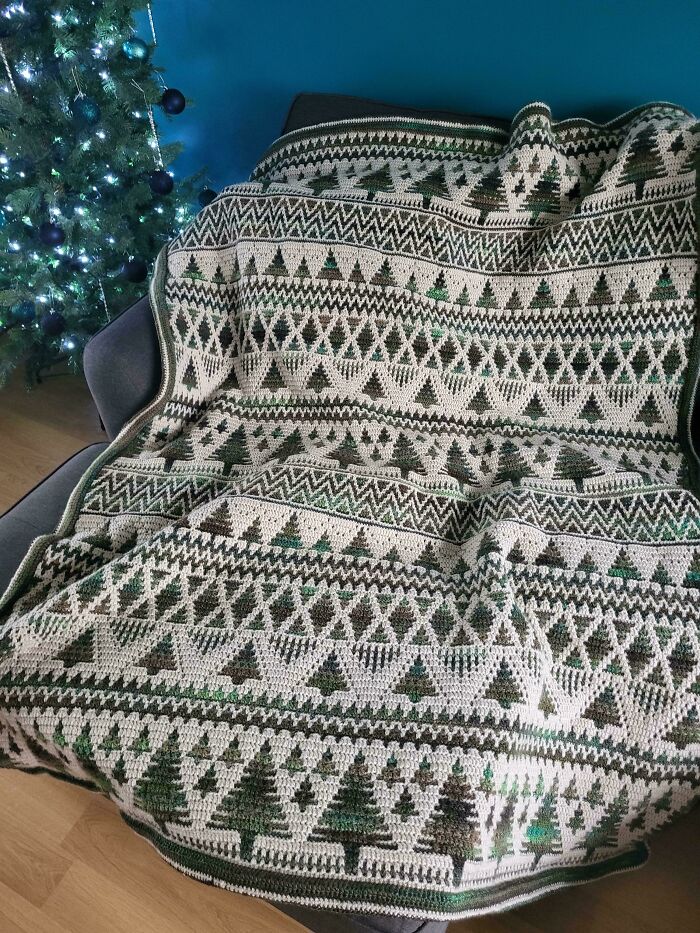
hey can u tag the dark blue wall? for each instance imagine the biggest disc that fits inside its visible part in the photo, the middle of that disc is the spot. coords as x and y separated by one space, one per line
242 61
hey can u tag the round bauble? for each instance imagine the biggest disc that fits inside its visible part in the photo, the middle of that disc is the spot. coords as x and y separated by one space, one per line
52 323
135 49
134 270
51 234
85 110
173 101
160 182
23 312
206 196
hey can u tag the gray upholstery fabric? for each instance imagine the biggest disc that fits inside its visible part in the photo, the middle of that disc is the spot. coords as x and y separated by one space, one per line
122 366
39 511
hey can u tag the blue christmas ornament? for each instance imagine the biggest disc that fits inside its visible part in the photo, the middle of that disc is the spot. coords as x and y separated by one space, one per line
23 312
52 323
85 110
135 49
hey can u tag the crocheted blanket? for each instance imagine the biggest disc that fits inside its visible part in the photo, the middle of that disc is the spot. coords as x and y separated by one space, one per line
389 601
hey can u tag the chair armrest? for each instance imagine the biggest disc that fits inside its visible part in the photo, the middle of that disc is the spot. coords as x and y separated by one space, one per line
122 366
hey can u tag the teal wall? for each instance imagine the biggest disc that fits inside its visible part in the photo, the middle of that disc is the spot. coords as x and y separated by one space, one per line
242 61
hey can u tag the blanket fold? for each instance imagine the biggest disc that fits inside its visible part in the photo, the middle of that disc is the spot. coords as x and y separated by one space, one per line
389 601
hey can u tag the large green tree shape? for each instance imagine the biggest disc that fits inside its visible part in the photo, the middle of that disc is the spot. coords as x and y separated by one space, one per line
573 463
544 197
512 466
353 819
453 828
606 831
159 790
432 185
376 182
643 161
234 450
543 835
489 194
253 807
502 844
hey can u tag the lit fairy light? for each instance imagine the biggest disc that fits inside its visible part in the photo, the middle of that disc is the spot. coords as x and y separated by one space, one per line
111 179
110 239
3 160
43 299
26 72
80 210
13 246
101 134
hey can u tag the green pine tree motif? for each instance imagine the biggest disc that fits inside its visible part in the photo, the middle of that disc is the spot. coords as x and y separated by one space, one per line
373 388
304 795
159 791
201 750
512 466
432 185
277 265
577 821
303 271
377 182
544 197
242 667
347 452
502 844
231 755
692 576
504 687
643 161
295 761
489 194
233 451
80 650
574 464
664 290
487 299
426 396
207 784
404 806
604 711
160 658
624 568
453 828
323 182
290 535
686 732
438 290
601 294
111 742
606 831
326 765
404 457
141 744
192 271
543 296
329 677
416 683
591 412
543 835
457 466
384 275
253 807
218 278
330 269
391 773
353 819
119 771
318 381
180 448
649 412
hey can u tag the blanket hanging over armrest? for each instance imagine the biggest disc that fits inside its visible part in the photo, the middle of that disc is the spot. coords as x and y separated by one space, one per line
390 600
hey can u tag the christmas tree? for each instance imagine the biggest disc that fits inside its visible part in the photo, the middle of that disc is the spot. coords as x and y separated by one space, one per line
159 790
353 818
453 829
86 198
543 836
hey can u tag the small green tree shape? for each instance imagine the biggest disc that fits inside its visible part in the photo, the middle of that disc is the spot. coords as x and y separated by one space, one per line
233 451
253 808
111 742
575 464
590 411
160 658
502 843
231 755
486 784
686 732
192 271
242 667
304 795
642 162
432 185
207 784
404 806
649 412
329 677
326 764
664 290
416 683
404 457
141 744
457 466
453 827
601 294
347 452
218 278
426 396
274 380
438 290
330 269
489 194
606 831
543 835
277 266
692 575
201 750
159 790
289 535
376 182
544 197
353 818
391 773
384 275
80 650
543 296
512 466
318 381
323 182
487 299
504 687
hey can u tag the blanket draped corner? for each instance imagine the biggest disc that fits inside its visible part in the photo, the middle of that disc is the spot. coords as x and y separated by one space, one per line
389 601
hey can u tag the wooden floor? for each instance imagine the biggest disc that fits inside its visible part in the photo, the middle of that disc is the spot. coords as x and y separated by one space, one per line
68 864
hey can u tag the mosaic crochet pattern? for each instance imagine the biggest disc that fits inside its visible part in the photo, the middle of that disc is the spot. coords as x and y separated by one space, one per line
390 601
